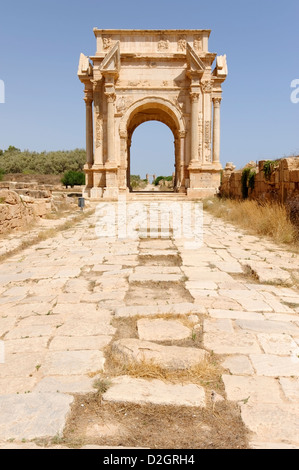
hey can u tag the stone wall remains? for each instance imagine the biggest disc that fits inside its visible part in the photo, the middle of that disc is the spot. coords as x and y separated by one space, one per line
281 183
18 211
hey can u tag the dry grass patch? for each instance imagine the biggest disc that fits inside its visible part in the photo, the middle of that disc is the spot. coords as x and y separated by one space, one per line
266 219
169 260
157 293
95 422
207 373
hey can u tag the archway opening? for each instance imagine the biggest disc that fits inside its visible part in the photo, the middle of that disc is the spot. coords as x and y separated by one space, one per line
152 157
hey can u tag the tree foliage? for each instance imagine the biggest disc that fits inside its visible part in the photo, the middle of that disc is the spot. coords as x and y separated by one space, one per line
73 178
159 178
247 181
13 160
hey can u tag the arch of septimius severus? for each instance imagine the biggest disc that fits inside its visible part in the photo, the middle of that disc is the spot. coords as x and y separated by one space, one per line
141 75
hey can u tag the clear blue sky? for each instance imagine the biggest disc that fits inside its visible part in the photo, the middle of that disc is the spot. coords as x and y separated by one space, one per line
40 43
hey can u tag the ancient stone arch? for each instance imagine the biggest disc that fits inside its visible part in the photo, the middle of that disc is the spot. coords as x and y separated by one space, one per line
153 108
142 75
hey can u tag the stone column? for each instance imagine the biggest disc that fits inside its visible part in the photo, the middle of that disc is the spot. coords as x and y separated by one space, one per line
216 130
182 136
110 126
194 126
88 97
129 162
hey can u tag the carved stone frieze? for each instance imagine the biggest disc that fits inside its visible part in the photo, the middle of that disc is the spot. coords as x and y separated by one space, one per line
163 44
122 103
107 43
182 43
197 43
99 131
206 86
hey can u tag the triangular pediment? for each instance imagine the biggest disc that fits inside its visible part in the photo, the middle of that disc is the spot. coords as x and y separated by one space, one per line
84 68
111 62
195 64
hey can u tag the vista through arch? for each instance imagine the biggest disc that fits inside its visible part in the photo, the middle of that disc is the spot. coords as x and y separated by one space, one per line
152 152
142 75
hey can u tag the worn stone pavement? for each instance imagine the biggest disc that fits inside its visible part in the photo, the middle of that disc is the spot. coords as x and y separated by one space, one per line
58 298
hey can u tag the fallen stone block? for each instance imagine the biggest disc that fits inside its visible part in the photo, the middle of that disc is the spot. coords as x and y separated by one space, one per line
140 391
168 357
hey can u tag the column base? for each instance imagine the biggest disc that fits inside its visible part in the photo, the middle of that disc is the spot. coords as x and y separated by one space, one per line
96 193
111 193
204 181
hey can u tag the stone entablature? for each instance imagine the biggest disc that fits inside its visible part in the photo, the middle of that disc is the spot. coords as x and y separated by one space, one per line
141 75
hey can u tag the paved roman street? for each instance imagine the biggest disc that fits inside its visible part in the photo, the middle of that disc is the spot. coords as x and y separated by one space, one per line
60 299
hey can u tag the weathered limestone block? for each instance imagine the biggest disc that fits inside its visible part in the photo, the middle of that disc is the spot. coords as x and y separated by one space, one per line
33 415
130 390
162 330
9 197
169 357
18 211
282 183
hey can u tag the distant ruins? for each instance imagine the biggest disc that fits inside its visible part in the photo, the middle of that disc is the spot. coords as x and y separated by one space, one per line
141 75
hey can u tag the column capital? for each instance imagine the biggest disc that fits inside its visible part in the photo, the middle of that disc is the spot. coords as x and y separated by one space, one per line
217 101
111 96
96 85
182 134
194 96
123 133
88 96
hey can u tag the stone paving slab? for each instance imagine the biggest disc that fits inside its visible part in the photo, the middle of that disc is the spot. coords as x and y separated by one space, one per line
169 357
235 314
272 422
268 326
150 277
76 328
218 325
278 343
66 384
231 343
33 415
21 364
130 390
26 345
268 274
18 384
203 274
162 330
274 366
238 365
290 387
183 308
72 362
73 343
252 389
